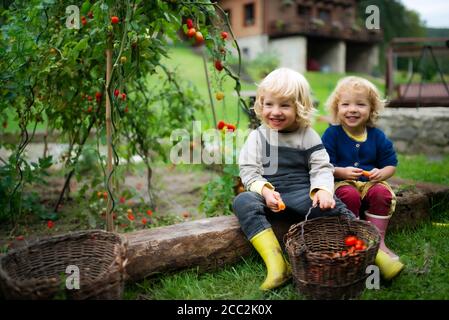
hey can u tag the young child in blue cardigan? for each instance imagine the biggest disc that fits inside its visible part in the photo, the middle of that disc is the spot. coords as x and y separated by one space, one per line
363 158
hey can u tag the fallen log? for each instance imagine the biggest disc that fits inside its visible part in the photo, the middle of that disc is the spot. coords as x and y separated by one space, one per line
207 243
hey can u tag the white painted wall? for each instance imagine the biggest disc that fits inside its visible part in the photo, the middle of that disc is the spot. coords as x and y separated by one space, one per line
254 45
335 57
292 52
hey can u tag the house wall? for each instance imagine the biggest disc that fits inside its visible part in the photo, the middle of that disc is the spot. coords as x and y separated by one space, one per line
335 57
251 46
278 12
292 52
294 48
361 57
330 54
237 17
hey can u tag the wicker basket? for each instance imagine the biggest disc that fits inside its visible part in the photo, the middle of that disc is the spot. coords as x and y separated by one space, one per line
38 271
311 246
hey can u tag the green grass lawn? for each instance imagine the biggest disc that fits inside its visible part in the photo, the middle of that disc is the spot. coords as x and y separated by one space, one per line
423 250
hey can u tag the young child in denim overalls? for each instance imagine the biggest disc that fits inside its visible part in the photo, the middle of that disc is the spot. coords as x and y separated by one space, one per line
363 158
283 161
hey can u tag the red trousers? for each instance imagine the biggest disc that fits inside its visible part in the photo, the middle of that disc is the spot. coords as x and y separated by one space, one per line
377 200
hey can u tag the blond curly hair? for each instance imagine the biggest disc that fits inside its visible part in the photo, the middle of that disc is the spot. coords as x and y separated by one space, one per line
287 84
357 84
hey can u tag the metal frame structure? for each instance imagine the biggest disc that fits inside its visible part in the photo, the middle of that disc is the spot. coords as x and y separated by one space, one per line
422 94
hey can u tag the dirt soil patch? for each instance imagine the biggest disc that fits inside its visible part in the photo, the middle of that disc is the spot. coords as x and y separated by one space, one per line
177 192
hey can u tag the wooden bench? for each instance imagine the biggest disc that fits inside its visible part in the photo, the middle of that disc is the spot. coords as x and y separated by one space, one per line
425 90
422 95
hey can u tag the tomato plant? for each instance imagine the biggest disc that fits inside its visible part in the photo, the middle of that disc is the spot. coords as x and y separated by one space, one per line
51 73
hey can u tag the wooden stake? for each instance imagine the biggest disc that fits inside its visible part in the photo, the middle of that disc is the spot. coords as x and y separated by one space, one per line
109 220
208 88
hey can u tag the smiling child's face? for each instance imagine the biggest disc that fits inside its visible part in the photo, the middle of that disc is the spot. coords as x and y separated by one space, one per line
279 113
353 110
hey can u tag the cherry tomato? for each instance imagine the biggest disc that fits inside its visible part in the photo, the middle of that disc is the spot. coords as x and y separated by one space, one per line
218 65
191 32
199 37
281 205
114 19
350 240
189 23
365 173
219 95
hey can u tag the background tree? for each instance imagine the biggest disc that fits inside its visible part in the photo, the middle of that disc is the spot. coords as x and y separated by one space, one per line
395 21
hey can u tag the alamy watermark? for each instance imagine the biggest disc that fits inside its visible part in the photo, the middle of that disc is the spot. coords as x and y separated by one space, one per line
72 282
372 22
73 19
373 280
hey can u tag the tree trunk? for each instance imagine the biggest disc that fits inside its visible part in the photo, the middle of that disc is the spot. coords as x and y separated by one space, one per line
109 220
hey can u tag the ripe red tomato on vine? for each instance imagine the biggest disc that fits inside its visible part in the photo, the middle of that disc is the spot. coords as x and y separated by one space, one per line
189 23
218 65
191 32
115 20
199 37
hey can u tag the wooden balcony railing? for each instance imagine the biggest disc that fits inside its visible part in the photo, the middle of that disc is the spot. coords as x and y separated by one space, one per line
318 28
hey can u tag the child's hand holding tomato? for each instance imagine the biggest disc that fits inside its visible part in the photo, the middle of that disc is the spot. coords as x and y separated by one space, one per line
376 175
272 199
351 173
325 199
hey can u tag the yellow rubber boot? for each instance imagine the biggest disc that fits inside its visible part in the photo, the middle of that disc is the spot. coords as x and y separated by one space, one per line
388 267
278 270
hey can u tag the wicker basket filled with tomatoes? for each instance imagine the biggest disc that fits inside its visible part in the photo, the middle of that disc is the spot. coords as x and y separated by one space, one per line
329 256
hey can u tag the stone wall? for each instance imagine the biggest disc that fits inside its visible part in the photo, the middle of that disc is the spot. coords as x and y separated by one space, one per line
417 130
